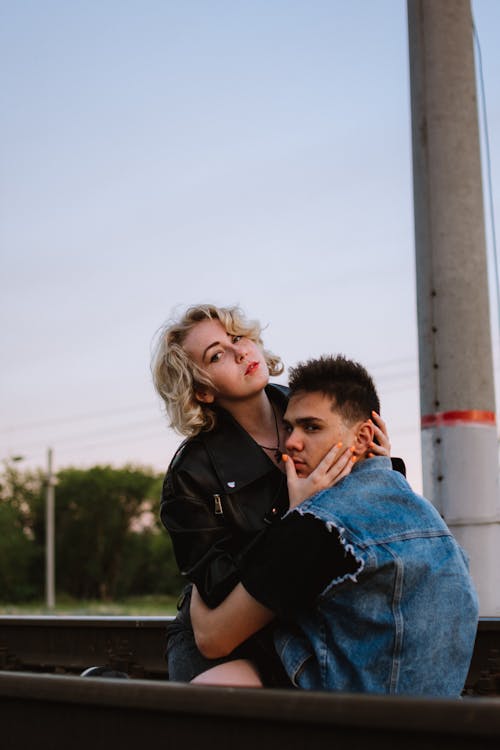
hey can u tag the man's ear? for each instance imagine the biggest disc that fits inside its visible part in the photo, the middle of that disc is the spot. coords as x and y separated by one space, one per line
363 439
204 394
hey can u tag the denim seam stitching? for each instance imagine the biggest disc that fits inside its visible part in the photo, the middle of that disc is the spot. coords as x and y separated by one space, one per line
398 619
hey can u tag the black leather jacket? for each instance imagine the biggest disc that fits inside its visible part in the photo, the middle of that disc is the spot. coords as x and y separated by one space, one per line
219 492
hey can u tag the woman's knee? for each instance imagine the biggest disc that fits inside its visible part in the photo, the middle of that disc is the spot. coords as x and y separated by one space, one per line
237 673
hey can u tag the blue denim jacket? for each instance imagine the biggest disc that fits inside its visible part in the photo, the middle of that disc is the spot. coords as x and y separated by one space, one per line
405 621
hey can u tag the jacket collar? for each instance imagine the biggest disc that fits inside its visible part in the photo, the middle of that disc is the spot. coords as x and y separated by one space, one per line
372 464
236 457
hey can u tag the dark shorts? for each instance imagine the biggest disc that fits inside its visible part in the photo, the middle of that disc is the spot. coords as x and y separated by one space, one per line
186 662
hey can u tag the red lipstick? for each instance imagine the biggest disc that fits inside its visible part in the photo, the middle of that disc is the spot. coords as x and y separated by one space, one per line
251 368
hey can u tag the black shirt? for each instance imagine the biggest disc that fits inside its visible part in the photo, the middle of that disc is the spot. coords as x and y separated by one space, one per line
293 561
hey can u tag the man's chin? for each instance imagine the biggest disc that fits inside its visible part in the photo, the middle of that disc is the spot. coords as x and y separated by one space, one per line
302 471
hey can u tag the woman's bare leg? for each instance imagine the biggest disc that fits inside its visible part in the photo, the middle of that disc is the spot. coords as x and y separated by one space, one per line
237 673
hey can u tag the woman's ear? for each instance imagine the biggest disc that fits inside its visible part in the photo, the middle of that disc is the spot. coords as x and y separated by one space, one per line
363 439
204 394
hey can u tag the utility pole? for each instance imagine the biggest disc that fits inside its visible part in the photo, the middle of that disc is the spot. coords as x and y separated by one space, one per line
50 535
459 435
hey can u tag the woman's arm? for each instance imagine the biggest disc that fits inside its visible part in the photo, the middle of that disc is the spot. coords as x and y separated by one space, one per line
219 631
283 575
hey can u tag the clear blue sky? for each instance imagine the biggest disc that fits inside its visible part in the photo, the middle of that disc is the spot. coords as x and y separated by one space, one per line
158 153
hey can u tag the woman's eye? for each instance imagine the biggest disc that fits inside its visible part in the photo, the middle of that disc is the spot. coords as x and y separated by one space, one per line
235 339
215 357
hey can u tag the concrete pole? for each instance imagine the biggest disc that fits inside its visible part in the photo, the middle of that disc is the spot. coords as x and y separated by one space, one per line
50 535
459 435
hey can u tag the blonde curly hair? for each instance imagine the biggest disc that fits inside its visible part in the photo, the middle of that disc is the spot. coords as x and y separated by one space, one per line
175 374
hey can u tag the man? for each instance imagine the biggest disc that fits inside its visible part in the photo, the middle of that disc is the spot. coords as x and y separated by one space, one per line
372 592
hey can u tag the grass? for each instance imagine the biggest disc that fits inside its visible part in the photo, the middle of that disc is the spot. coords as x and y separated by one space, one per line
141 606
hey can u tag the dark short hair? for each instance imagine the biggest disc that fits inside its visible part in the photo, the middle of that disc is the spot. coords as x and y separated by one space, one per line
348 384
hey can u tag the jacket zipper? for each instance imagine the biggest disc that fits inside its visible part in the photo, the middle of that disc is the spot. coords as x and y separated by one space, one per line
218 506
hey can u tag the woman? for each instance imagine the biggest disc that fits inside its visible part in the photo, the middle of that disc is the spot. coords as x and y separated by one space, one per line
226 481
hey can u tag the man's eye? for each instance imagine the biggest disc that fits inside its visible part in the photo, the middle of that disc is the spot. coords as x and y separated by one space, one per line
311 428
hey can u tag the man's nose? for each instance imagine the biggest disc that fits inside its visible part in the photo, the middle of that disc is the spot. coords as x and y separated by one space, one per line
293 441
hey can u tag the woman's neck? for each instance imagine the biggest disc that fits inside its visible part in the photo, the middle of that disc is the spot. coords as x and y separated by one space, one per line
258 417
252 413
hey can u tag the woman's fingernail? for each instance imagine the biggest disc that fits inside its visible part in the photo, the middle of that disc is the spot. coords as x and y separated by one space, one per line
339 445
352 448
370 455
284 457
353 459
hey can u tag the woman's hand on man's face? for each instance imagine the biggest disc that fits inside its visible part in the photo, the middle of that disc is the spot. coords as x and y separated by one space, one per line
336 465
381 445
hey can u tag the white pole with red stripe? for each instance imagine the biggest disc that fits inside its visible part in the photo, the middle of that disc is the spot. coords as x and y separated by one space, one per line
459 434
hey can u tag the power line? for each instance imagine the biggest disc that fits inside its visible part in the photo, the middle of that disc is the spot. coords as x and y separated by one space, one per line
75 418
148 406
488 168
392 362
390 383
115 430
61 448
130 439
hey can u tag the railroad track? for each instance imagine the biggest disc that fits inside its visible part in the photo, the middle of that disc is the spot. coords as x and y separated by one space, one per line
135 645
44 703
52 712
69 645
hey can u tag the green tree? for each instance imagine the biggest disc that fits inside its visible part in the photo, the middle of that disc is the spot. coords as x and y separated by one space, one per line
109 540
149 565
20 557
95 512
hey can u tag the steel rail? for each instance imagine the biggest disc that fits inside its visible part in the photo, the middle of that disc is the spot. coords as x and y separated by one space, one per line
136 645
53 711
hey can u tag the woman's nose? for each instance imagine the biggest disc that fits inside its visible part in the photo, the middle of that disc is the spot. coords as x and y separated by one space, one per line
240 352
